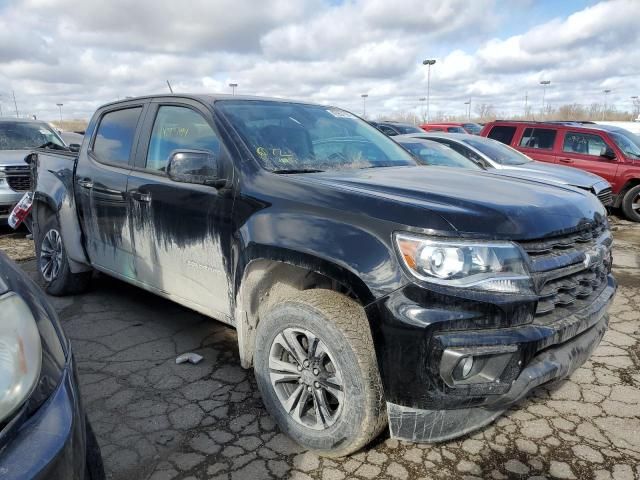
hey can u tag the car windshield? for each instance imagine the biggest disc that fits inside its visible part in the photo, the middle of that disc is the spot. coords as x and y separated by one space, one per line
498 152
473 128
405 129
291 138
627 142
432 153
26 135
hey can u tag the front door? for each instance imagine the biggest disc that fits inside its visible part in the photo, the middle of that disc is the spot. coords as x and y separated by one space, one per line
583 150
101 186
181 231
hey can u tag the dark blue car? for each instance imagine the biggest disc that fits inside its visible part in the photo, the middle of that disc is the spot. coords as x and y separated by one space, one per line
44 433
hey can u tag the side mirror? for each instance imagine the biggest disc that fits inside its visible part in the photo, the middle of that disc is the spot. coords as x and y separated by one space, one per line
194 166
608 153
74 147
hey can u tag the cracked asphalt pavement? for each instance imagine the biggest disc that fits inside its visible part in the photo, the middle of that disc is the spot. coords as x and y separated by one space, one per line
158 420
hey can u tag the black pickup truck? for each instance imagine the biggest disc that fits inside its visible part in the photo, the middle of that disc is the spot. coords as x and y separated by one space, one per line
366 290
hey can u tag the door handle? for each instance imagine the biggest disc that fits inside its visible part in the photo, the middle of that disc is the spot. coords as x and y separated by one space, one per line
566 160
141 197
85 183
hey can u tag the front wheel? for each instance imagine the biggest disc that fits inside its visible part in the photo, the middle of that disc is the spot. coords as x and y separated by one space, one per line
631 204
53 263
317 372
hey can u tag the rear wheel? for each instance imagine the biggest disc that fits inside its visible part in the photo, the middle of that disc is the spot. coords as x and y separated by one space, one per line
53 263
631 204
316 369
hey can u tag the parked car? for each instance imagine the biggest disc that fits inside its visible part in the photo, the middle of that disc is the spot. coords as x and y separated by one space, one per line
610 152
431 153
495 156
364 287
17 138
43 430
453 127
395 128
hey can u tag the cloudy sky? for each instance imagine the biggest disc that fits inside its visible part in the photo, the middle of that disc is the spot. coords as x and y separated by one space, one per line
83 53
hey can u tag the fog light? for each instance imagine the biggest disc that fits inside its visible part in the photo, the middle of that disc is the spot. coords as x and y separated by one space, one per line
466 364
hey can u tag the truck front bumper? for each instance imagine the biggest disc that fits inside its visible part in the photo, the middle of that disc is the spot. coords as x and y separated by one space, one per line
417 336
8 199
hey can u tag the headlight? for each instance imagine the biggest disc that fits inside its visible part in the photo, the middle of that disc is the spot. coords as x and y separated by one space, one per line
495 266
20 353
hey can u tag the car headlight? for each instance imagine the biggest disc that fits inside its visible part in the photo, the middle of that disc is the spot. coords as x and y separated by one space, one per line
20 353
493 266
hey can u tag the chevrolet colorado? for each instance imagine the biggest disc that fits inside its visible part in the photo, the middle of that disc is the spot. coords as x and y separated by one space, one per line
365 290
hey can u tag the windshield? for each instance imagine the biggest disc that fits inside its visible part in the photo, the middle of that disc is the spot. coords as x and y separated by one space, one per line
473 128
627 142
498 152
289 137
26 135
431 153
405 129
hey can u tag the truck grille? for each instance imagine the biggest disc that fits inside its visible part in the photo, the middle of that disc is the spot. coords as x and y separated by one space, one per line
606 197
18 177
569 271
19 183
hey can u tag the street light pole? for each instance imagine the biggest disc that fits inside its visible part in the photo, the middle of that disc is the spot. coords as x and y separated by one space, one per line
634 100
60 107
428 62
469 110
233 88
422 100
364 104
544 84
604 108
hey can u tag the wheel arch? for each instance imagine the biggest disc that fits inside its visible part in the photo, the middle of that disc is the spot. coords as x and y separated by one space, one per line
633 182
276 273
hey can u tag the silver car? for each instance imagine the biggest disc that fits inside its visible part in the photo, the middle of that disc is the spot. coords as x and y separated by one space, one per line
17 138
502 159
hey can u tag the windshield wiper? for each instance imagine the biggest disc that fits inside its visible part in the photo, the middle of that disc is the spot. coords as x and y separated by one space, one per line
297 170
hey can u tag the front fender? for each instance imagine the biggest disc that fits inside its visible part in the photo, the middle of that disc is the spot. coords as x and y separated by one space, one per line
324 244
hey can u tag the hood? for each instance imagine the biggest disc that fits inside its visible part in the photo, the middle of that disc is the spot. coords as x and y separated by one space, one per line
13 157
546 172
473 203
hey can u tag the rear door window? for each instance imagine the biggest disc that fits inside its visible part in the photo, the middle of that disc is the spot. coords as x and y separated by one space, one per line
542 138
115 135
502 133
583 143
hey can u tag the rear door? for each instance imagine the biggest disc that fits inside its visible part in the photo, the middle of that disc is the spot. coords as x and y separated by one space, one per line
181 231
101 186
539 143
583 150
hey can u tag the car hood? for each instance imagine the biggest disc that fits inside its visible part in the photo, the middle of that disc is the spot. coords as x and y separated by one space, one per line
471 203
546 172
13 157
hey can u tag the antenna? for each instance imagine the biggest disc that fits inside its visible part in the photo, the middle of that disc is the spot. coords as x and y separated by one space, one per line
169 85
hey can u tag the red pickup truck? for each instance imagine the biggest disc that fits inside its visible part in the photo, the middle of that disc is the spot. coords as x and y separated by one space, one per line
611 152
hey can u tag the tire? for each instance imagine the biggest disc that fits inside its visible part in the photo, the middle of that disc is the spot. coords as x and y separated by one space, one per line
342 330
58 279
631 198
94 468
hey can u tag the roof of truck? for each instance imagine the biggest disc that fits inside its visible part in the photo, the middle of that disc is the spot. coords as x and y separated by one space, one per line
208 98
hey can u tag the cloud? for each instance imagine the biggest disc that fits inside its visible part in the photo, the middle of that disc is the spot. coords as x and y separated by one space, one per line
86 53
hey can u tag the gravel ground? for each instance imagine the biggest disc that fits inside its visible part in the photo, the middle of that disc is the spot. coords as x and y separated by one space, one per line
158 420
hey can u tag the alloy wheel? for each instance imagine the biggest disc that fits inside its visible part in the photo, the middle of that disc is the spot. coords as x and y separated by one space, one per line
51 255
306 379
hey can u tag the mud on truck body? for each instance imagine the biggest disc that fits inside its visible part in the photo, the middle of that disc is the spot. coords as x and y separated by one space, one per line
366 290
